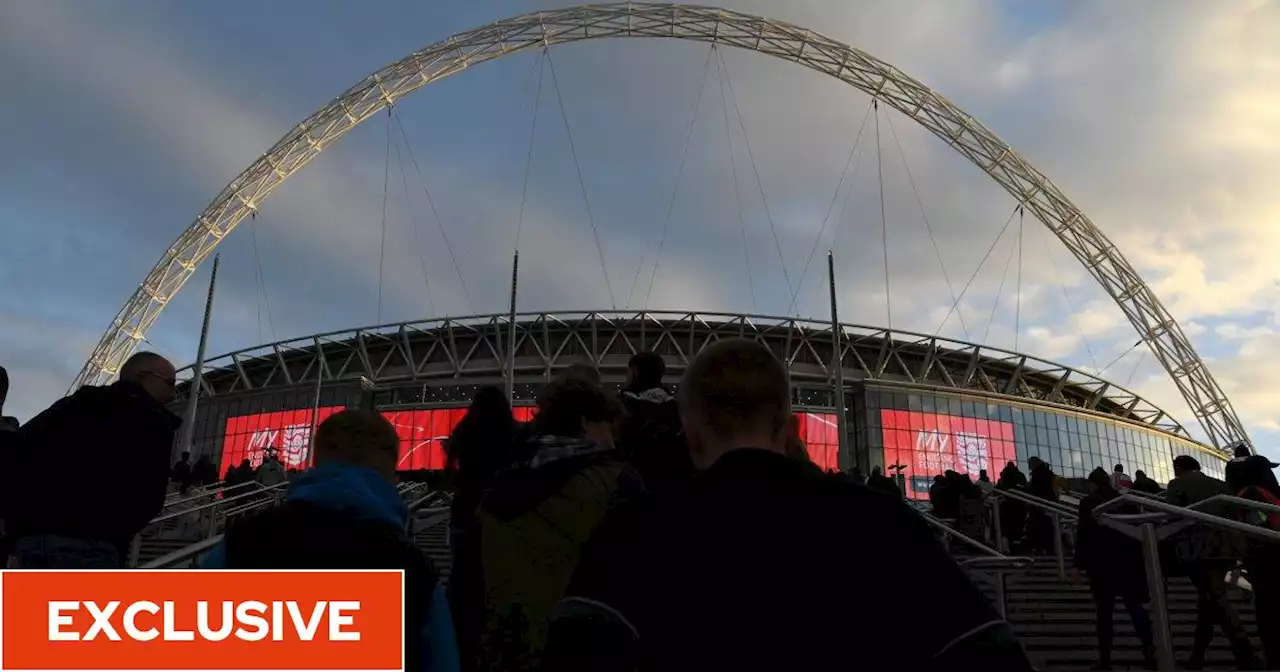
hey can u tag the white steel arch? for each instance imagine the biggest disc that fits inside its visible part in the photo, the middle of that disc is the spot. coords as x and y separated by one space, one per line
958 129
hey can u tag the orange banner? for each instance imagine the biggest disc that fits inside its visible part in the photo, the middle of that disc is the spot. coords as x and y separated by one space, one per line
202 620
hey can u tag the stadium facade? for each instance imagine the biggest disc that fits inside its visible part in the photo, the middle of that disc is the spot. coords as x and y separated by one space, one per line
921 401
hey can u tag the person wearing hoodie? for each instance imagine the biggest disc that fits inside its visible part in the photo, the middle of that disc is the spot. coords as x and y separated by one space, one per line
91 471
540 511
651 434
345 513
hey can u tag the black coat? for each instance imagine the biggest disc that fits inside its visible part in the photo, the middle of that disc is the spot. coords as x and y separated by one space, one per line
1110 558
94 465
765 562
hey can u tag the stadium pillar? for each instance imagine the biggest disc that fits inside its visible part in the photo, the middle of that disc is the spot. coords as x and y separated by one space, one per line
837 363
511 347
197 375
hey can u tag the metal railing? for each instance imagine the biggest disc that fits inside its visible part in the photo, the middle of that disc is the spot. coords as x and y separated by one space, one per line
189 556
992 565
1142 526
1057 512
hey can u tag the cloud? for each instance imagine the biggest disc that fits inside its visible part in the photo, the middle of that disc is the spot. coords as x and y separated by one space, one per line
1158 122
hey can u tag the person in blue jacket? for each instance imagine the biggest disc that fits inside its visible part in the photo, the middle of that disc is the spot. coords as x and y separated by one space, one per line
345 513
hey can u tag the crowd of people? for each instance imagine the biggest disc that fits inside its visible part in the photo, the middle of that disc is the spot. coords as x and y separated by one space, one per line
640 530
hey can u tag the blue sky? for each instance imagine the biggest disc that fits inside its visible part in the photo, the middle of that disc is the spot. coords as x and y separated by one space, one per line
124 119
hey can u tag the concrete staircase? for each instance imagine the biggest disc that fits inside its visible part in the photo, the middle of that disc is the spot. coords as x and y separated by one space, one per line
432 538
1055 620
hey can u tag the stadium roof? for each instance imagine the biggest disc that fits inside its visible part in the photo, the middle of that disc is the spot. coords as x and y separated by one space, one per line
448 350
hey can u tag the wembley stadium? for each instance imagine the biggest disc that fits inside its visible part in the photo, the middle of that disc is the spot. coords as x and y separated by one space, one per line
924 402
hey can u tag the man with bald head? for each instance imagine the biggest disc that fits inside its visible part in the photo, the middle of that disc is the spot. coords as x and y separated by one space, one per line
91 471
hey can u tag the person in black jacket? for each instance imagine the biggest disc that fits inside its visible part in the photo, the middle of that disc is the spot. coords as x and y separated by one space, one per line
92 470
651 434
751 566
1114 565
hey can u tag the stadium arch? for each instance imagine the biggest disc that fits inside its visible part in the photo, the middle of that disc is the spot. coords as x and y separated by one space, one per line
961 131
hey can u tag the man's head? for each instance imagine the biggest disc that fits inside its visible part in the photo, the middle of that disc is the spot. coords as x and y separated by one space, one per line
1099 480
584 372
153 373
1139 474
1034 462
186 456
734 395
1240 449
4 386
360 437
645 370
1119 469
1185 464
575 407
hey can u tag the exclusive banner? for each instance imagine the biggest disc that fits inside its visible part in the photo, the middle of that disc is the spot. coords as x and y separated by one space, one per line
202 620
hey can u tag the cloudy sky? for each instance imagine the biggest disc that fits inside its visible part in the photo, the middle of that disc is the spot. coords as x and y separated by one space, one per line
1161 120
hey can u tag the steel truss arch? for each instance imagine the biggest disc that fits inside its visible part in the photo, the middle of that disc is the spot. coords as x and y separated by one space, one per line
959 130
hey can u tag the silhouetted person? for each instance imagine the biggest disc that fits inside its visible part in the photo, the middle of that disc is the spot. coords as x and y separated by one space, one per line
878 482
1255 479
1114 564
479 447
7 423
856 476
1144 483
345 513
941 501
538 514
1240 451
984 482
651 436
93 469
1040 531
1013 513
1120 480
204 472
239 474
1205 554
694 580
181 471
270 472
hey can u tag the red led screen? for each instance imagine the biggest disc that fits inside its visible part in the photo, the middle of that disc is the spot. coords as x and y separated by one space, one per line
930 444
288 432
422 433
821 438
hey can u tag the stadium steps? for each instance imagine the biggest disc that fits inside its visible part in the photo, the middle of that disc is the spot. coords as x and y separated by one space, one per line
1054 619
432 538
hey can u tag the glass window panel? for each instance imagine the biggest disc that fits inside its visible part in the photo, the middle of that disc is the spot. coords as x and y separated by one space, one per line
953 406
1005 414
927 404
914 403
1018 414
968 410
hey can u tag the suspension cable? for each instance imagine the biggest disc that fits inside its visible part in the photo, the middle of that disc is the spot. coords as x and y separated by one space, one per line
737 192
857 141
999 292
260 278
382 250
937 251
595 232
1017 310
746 138
435 214
1122 356
884 221
675 189
1141 356
1075 319
982 263
417 237
528 159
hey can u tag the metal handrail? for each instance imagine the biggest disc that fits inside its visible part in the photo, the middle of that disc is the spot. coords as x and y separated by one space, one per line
216 503
197 548
1033 500
185 553
997 564
1142 526
206 493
